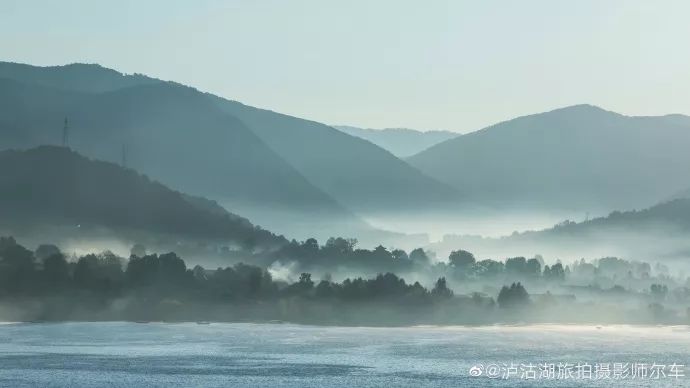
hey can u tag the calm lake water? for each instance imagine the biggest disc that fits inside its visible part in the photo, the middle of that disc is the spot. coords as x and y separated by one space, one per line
132 355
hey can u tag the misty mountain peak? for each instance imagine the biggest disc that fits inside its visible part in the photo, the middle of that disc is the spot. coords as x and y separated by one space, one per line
579 112
580 156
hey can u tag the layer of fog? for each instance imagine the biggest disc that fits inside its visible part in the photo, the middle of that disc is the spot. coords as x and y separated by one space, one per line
487 234
483 222
301 225
653 243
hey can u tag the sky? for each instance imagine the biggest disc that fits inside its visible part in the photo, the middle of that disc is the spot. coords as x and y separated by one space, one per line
455 65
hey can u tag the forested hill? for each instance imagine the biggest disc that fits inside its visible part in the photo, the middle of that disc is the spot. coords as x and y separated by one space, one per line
88 78
52 185
171 132
306 162
673 214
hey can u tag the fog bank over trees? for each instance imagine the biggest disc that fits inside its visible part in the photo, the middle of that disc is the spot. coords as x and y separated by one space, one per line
45 284
659 232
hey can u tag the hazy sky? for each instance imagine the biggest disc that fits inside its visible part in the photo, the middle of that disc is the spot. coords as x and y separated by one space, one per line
457 65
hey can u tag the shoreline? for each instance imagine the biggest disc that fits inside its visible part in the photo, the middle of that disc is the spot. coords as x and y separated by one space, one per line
508 326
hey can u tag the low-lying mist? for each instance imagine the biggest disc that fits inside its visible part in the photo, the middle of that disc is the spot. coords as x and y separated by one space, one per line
659 242
468 220
336 283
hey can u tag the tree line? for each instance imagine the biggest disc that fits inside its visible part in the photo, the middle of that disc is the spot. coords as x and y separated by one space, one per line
461 264
48 272
162 286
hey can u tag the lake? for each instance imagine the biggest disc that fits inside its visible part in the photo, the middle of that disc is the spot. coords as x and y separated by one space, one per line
123 354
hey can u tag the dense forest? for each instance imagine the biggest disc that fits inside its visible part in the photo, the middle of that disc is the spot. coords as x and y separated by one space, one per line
45 284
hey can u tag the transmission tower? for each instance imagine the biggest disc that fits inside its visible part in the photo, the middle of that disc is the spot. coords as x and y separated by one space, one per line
65 134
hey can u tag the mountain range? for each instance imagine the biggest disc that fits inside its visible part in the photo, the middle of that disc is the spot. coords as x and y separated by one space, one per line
304 178
263 164
361 175
580 158
401 142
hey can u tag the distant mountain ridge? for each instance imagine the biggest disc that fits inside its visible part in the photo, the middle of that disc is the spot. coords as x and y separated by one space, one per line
578 158
401 142
354 172
359 174
170 132
174 134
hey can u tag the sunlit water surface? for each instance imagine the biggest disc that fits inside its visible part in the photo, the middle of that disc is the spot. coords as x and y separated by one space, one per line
283 355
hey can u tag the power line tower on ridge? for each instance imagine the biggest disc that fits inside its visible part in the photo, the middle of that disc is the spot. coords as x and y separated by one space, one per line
65 134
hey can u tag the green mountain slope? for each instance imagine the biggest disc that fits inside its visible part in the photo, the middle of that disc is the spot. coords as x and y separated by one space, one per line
355 172
169 132
177 136
54 186
578 158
